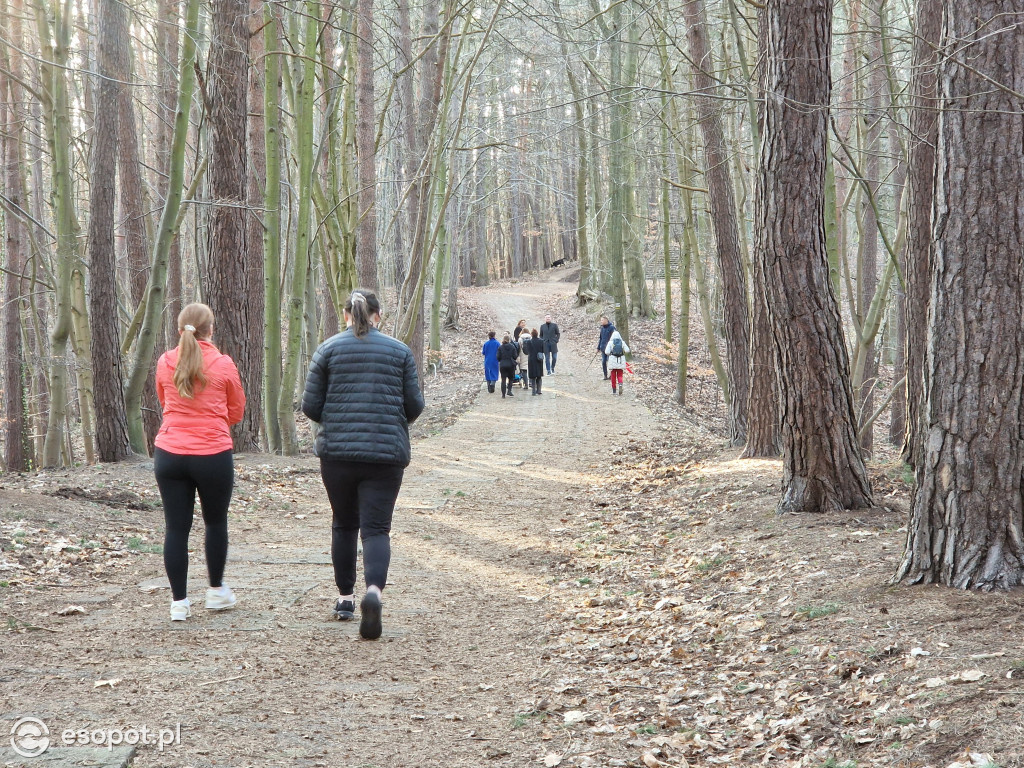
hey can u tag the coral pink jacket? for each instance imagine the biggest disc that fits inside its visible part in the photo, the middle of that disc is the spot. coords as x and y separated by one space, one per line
200 426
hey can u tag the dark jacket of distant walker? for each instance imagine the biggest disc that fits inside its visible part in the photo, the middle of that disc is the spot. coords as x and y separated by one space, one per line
364 392
533 347
508 354
550 335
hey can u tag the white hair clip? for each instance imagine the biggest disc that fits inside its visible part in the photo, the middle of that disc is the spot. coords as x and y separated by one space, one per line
190 328
357 297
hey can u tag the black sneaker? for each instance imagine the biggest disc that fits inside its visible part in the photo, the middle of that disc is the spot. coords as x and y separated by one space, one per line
369 623
344 610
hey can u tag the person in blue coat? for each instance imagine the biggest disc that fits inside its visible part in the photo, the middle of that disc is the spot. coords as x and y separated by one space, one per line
607 329
490 353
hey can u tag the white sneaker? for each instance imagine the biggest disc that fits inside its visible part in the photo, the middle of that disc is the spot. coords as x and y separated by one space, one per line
220 599
180 609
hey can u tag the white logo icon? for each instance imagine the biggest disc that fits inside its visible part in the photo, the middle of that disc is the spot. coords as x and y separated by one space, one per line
30 737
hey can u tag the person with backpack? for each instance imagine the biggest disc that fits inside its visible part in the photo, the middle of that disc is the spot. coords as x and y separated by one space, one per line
607 329
523 359
363 390
508 355
201 394
490 353
616 350
535 355
550 335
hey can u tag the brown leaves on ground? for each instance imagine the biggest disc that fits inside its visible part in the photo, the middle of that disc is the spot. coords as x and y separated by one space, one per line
696 627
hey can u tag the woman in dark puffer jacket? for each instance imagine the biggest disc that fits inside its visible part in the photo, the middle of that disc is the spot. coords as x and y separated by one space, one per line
363 390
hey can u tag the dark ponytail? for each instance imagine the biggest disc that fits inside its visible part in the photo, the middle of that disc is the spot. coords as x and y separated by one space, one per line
361 307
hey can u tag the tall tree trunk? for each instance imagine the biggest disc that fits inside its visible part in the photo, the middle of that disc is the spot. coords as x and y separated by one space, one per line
36 340
54 40
366 124
763 407
924 133
134 209
823 467
724 220
296 301
167 90
272 226
616 176
112 65
432 62
18 451
866 379
228 92
167 231
965 527
247 434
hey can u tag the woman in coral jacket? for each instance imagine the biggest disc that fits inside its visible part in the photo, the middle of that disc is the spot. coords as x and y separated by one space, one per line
201 395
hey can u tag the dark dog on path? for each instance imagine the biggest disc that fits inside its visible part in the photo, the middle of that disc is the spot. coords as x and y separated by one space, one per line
558 262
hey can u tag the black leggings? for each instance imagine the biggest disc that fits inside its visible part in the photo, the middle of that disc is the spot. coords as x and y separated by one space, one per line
508 376
362 496
179 477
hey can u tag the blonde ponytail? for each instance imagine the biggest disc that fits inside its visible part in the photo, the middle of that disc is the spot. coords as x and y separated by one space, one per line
195 320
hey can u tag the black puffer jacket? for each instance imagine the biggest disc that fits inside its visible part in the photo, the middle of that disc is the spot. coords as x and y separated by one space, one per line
364 392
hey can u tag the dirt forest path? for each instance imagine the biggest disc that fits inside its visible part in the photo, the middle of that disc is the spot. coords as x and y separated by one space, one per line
275 682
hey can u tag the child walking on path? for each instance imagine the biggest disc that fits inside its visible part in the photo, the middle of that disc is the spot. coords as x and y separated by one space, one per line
616 349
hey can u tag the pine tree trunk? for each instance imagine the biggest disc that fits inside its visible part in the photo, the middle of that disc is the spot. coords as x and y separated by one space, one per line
366 124
247 434
724 220
924 134
235 311
763 439
111 418
823 467
965 524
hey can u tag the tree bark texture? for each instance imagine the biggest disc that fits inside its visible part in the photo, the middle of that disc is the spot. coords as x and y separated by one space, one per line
763 404
924 133
55 41
167 90
166 233
366 124
112 63
967 517
867 283
723 219
17 446
822 465
133 207
228 89
247 434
